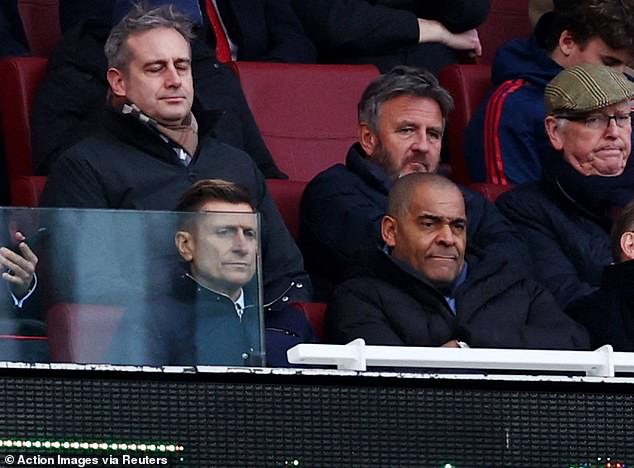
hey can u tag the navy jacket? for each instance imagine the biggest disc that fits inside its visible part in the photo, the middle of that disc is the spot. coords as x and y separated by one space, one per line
496 307
505 141
191 325
342 207
608 314
507 130
569 246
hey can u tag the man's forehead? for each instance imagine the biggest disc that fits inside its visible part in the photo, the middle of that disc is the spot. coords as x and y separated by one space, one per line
153 41
437 199
233 218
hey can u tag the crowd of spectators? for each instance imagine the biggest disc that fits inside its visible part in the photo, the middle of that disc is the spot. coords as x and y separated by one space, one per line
138 105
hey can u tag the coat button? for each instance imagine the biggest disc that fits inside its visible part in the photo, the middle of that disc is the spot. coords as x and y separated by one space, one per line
245 356
299 285
285 299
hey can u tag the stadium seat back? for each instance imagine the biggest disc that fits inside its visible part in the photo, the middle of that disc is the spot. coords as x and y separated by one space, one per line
508 19
81 333
287 195
468 84
307 113
41 23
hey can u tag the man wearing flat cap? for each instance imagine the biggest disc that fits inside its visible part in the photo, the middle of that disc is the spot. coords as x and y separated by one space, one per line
567 215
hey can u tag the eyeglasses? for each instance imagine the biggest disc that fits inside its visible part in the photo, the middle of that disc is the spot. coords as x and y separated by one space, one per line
600 121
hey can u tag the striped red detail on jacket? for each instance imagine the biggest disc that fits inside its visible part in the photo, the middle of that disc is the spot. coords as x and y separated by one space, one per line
493 160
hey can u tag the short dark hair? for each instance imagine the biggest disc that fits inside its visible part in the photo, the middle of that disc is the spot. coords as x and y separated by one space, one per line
610 20
401 192
140 19
207 190
624 223
401 80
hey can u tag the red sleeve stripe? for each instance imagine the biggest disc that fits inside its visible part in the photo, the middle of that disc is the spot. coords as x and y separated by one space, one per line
493 160
21 337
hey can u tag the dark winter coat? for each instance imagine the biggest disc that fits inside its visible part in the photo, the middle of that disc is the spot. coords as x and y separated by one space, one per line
384 32
568 244
192 325
341 213
496 307
128 166
69 102
608 314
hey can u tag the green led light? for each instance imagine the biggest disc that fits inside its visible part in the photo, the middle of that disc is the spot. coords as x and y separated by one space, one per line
96 445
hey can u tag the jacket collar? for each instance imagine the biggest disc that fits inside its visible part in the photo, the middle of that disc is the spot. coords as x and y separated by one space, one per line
371 173
135 133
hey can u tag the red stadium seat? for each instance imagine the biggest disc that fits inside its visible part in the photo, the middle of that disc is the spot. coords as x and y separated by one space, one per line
315 312
306 113
19 79
40 20
81 333
507 20
287 195
27 190
468 84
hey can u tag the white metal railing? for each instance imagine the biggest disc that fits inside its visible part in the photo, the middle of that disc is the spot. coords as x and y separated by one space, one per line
356 355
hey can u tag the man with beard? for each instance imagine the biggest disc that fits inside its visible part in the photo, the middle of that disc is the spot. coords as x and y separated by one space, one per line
402 117
566 216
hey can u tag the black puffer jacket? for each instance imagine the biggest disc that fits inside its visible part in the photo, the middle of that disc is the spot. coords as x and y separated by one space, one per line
569 245
496 307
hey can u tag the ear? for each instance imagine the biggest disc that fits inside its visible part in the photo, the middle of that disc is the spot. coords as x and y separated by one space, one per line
367 138
116 81
567 43
553 130
627 245
184 242
389 227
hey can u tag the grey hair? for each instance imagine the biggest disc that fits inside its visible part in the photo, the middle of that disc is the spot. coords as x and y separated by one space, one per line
141 19
401 80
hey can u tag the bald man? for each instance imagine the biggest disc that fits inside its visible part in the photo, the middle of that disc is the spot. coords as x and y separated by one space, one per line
422 290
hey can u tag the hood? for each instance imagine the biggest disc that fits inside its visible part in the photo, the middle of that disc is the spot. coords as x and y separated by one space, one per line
524 59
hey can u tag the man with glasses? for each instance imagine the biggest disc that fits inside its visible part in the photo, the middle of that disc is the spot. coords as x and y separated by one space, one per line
505 142
566 216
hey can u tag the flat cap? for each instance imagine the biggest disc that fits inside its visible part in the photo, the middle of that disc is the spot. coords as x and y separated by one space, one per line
586 88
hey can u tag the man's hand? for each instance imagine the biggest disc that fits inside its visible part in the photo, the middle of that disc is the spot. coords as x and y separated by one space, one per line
451 344
20 268
433 31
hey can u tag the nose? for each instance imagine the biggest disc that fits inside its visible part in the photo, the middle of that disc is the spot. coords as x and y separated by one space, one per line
612 129
240 243
420 141
172 77
445 235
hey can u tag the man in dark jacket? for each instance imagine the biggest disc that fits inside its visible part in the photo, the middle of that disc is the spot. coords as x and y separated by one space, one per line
608 313
422 291
69 102
388 33
566 216
505 142
211 313
148 151
402 116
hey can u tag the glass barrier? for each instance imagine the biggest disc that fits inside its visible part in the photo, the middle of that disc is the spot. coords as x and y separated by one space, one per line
130 287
